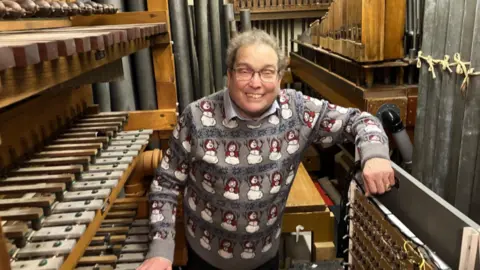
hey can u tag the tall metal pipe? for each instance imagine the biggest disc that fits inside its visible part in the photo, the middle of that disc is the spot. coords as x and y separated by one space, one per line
101 96
193 53
229 16
144 78
178 13
214 14
122 91
245 20
201 16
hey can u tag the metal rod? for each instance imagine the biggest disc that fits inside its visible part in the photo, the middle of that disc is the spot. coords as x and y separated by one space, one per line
422 100
245 21
101 95
144 78
214 14
201 16
193 54
178 13
229 16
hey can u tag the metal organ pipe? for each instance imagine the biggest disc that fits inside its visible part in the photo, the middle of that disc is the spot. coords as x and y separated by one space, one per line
214 10
143 69
201 18
178 13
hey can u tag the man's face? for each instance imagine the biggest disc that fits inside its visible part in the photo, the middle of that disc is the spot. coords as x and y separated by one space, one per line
254 96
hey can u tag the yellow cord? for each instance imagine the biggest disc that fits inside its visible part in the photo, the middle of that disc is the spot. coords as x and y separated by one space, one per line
422 263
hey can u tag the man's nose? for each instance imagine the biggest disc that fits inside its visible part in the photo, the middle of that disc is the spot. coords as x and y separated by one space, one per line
256 81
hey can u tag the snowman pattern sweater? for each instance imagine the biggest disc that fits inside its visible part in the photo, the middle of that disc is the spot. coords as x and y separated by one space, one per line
236 174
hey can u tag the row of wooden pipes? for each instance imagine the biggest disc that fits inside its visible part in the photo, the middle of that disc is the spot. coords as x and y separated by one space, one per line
276 4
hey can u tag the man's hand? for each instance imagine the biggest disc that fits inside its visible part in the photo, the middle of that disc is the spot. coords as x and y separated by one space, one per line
378 176
156 263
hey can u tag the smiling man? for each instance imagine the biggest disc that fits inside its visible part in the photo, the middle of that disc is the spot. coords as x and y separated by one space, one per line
236 153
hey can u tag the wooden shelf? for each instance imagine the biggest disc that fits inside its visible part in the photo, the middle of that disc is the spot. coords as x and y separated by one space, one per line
23 24
31 65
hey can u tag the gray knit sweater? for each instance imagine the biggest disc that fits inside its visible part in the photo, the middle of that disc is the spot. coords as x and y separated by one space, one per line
237 173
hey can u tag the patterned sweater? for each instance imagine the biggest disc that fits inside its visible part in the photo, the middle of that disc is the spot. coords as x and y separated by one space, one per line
237 173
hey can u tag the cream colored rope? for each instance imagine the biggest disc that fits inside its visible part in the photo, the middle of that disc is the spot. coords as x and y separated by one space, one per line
445 65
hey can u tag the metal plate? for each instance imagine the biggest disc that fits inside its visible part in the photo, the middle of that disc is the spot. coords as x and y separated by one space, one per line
77 206
40 264
49 248
115 175
69 218
118 154
83 195
109 161
59 232
89 185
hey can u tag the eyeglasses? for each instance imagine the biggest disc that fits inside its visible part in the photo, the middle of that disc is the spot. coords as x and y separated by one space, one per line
246 74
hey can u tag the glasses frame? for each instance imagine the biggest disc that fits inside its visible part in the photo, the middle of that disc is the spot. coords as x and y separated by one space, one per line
259 75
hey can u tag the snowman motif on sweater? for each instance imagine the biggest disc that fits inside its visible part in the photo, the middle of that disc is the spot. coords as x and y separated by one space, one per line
174 213
191 227
155 185
284 105
272 215
275 149
273 119
207 213
208 113
161 235
232 189
331 125
340 109
255 192
371 126
210 148
293 143
187 143
253 221
232 153
248 250
255 148
309 117
226 249
267 244
315 101
165 164
275 182
229 221
178 127
290 175
208 183
205 240
181 173
156 215
193 200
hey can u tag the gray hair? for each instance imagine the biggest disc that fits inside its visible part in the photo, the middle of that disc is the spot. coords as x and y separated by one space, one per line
251 37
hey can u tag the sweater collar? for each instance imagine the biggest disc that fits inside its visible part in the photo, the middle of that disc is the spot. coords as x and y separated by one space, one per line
231 110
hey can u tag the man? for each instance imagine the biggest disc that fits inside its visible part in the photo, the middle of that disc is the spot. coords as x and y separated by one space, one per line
236 153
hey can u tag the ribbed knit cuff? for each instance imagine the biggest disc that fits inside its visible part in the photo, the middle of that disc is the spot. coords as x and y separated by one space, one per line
373 150
161 248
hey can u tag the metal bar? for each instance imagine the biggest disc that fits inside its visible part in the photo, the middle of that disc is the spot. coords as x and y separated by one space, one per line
197 94
101 95
144 79
245 21
178 11
471 127
443 149
201 11
229 16
431 115
459 105
432 219
423 85
216 41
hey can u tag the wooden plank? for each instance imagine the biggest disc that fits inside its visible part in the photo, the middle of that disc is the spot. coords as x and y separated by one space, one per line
4 255
303 195
394 29
373 29
164 119
34 23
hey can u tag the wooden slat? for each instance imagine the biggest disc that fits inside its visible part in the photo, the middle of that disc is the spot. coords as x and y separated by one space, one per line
67 153
20 180
84 161
42 23
48 169
92 260
74 146
43 202
303 196
24 214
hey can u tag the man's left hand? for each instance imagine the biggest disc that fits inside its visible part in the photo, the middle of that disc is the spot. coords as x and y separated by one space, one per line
378 176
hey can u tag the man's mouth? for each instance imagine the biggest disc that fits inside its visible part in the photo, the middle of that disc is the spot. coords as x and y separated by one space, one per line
253 96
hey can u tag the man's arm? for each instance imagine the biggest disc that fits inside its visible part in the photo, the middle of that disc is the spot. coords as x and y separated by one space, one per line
169 179
332 124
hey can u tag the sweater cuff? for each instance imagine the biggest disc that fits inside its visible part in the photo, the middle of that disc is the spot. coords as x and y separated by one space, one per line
373 150
161 248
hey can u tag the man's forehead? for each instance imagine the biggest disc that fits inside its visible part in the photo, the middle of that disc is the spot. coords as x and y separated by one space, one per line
257 56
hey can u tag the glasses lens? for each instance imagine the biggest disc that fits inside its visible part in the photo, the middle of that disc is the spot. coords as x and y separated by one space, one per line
268 75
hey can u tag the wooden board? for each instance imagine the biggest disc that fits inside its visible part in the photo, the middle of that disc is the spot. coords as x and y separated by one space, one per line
304 196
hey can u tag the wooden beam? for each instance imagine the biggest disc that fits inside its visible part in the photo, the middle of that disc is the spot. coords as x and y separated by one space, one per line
30 24
137 17
164 119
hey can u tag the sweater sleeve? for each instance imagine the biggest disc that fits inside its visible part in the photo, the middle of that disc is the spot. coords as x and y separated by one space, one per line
332 124
170 178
